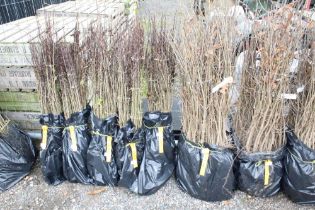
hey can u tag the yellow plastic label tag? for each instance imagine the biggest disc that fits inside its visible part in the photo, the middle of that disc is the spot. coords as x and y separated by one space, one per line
134 161
205 153
44 137
73 137
108 154
161 141
268 163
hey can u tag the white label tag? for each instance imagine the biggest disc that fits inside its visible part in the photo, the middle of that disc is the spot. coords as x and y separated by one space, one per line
300 89
133 162
269 163
74 148
289 96
294 65
43 146
226 81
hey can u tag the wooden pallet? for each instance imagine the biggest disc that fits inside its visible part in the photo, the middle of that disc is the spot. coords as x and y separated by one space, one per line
19 101
15 78
104 8
16 37
26 120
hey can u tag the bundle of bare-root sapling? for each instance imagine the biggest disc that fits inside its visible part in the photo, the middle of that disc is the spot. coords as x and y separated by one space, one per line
44 55
72 71
156 78
17 154
259 115
129 55
130 140
99 48
115 61
205 64
298 182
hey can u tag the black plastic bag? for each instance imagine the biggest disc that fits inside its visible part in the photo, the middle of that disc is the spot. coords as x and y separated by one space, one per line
299 173
205 171
76 140
17 156
100 155
129 154
159 154
260 173
51 148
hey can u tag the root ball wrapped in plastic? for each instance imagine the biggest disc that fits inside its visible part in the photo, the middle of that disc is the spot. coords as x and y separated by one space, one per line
129 153
259 173
205 171
159 155
100 155
76 140
264 93
146 157
299 176
17 154
51 148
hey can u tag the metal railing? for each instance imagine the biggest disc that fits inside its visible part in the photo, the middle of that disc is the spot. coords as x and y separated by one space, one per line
11 10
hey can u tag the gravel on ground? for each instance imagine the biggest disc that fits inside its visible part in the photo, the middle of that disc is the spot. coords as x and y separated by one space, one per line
33 193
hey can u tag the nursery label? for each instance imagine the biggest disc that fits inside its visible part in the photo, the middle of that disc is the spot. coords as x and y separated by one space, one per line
225 82
44 137
300 89
108 154
289 96
204 163
134 160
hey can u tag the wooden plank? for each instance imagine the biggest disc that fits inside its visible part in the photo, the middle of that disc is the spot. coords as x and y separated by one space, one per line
62 6
19 106
64 26
94 8
8 27
26 125
19 53
14 77
14 43
26 120
22 116
80 8
11 96
56 10
30 33
15 54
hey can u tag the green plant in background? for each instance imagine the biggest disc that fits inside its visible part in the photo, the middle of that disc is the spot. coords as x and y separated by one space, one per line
127 7
259 7
144 84
131 7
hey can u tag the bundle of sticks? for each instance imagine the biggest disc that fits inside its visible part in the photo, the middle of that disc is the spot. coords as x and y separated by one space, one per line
159 66
302 110
44 55
259 118
205 61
